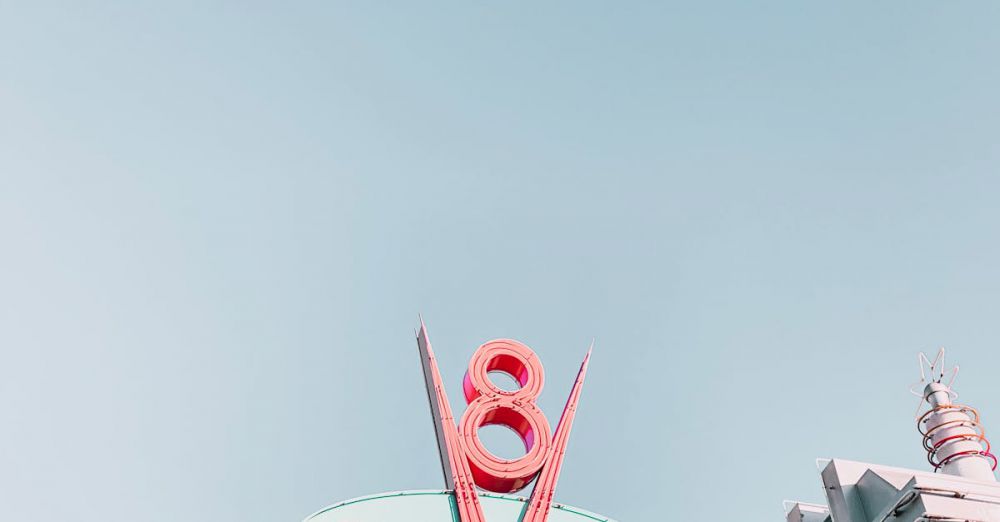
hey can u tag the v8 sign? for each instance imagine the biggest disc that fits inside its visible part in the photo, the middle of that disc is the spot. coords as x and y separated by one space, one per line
478 483
464 459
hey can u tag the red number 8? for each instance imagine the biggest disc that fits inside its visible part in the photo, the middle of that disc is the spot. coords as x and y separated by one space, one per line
516 410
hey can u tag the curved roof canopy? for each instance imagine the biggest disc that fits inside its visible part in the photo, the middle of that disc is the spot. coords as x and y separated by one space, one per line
439 506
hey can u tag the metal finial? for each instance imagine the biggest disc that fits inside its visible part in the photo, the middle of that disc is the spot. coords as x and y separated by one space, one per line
933 371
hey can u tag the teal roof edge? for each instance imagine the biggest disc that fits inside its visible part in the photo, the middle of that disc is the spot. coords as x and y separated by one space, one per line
417 492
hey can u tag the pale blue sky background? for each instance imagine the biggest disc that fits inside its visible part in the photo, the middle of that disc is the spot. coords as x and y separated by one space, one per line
220 220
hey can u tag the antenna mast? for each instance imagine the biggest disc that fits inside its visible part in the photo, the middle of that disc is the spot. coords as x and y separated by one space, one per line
954 438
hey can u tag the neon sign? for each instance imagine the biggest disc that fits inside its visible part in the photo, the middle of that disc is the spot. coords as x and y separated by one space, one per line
465 460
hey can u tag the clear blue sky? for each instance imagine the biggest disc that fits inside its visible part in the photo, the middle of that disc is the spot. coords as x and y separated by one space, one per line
220 220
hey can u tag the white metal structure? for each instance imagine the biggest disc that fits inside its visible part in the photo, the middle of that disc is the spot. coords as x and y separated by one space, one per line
961 488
